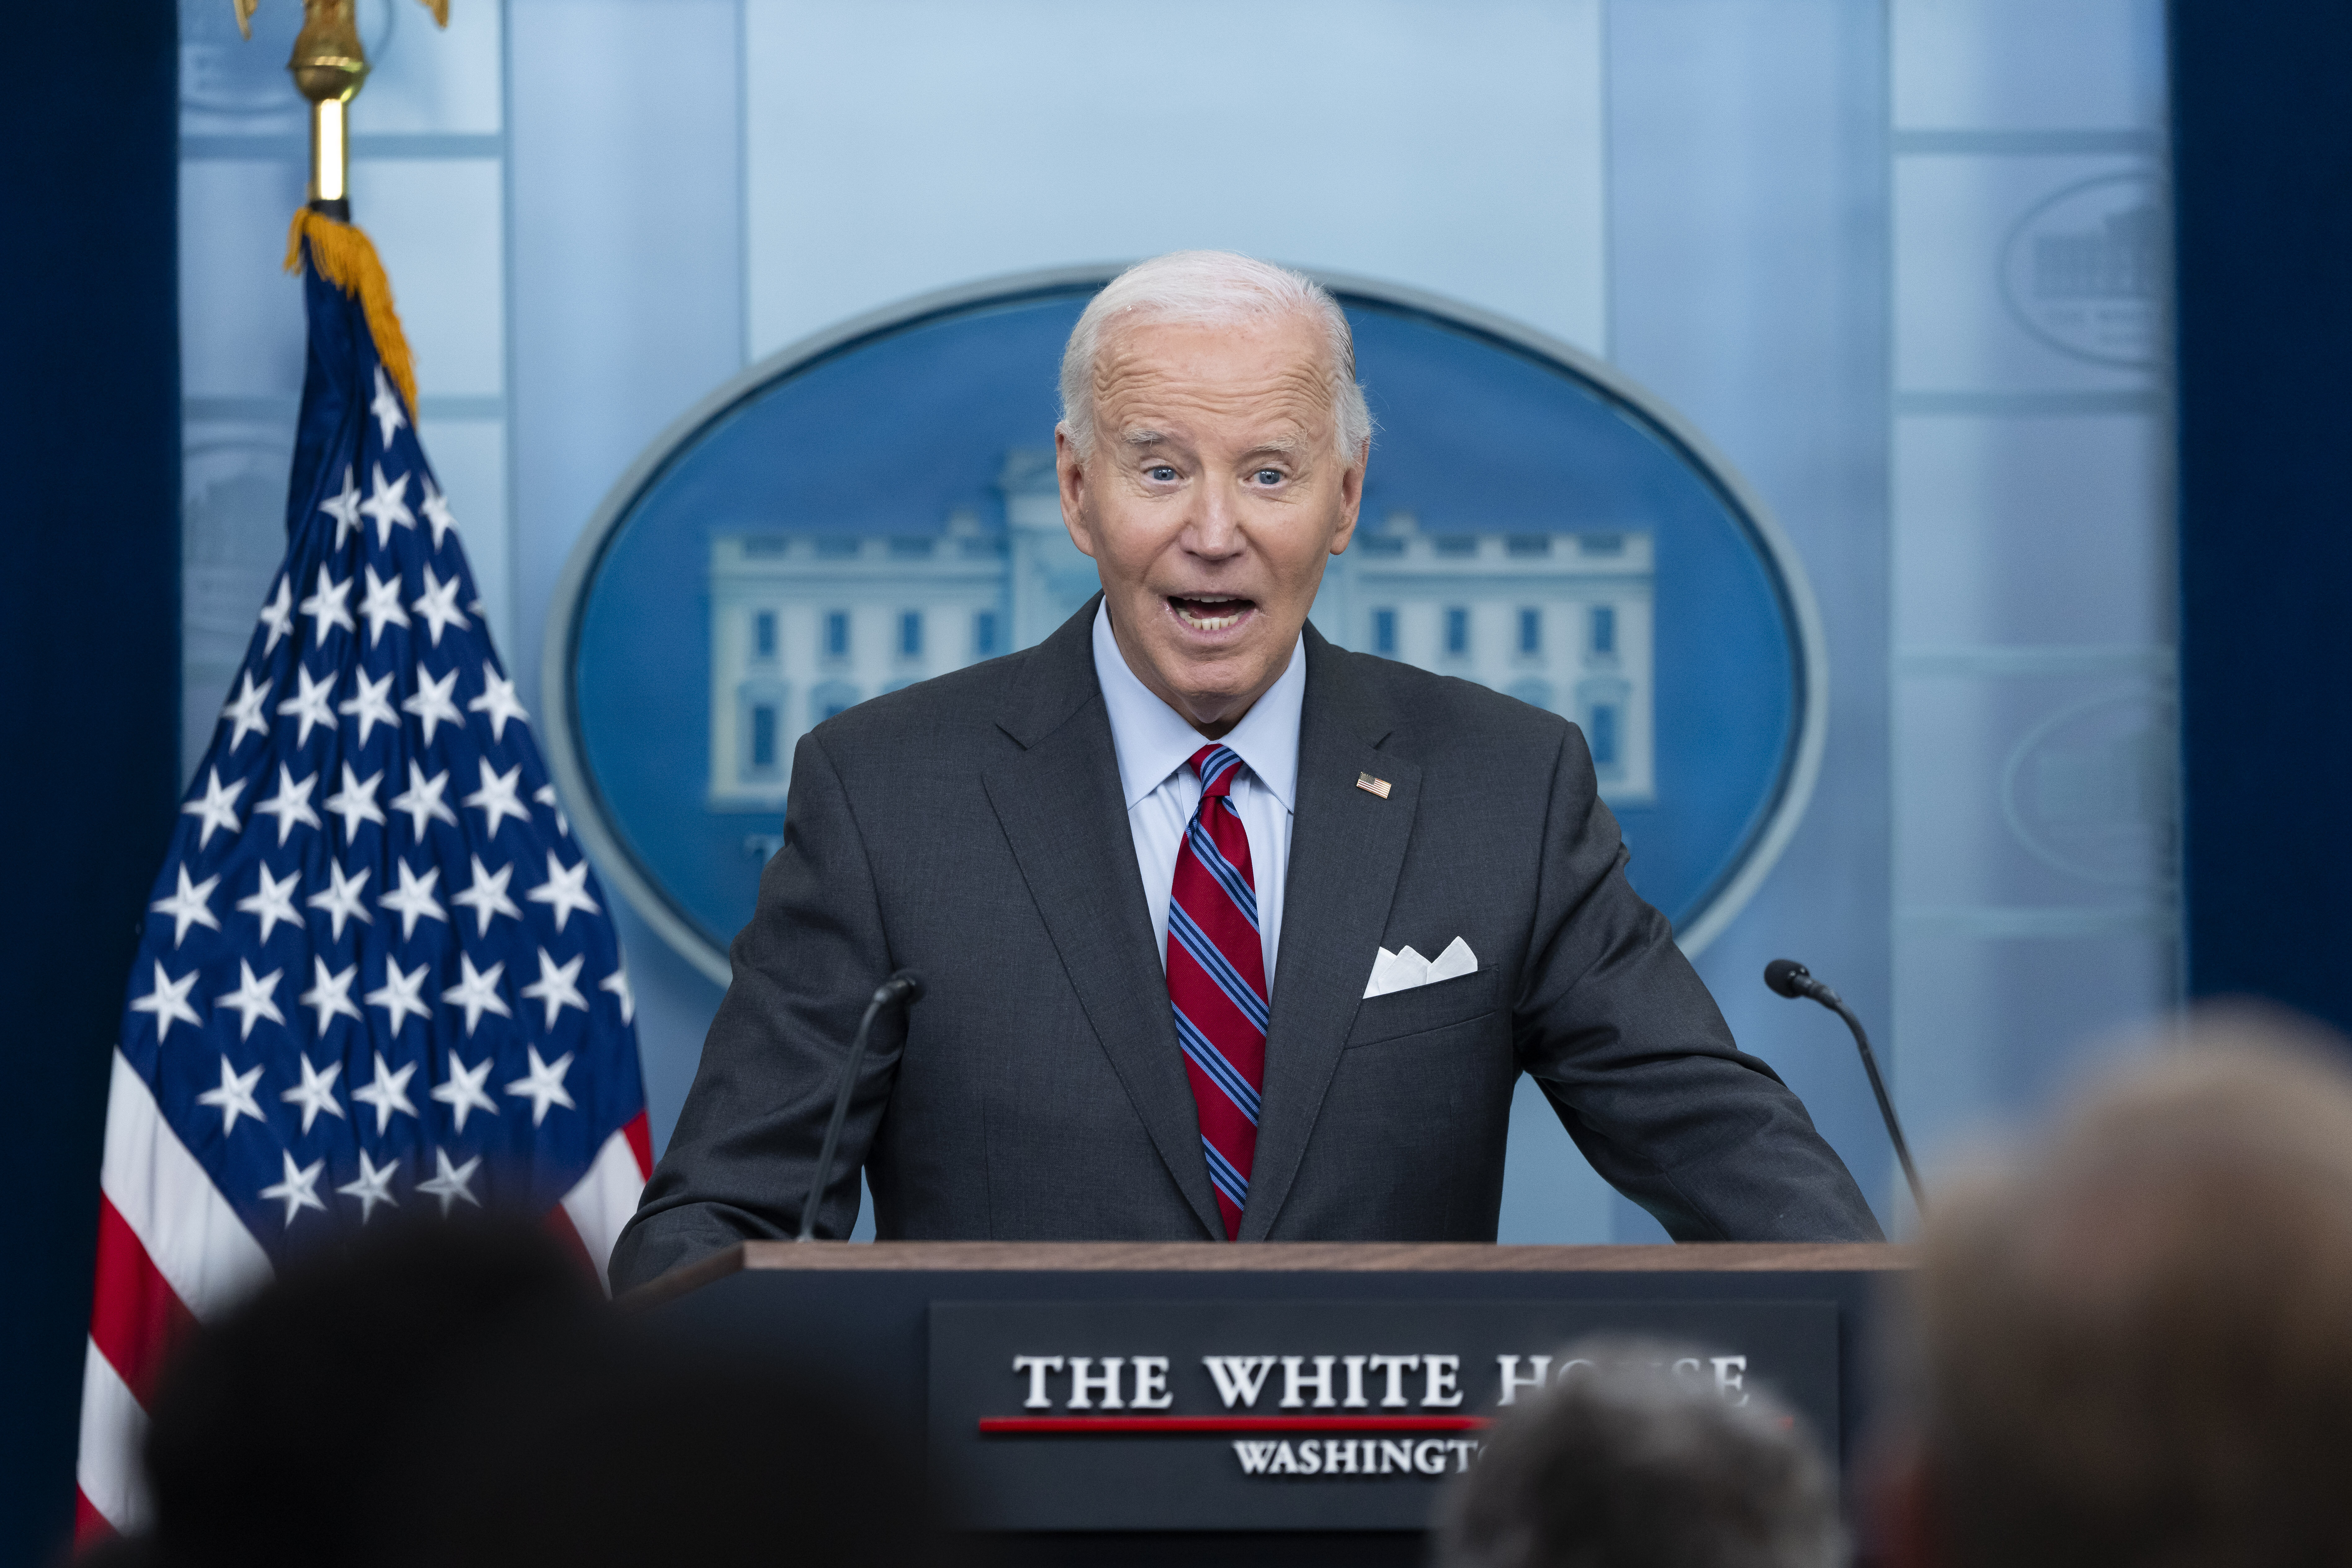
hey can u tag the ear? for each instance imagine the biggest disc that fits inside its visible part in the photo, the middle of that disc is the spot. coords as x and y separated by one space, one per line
1905 1518
1070 473
1351 498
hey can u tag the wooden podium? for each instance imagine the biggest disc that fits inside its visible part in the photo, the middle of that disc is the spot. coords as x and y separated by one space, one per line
1299 1402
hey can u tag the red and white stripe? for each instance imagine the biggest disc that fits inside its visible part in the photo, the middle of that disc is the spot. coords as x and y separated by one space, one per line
171 1253
600 1203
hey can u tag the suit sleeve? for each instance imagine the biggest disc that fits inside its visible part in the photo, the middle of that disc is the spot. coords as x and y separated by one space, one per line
738 1165
1618 1029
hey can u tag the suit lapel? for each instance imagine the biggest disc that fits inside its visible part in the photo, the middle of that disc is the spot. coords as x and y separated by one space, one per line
1063 811
1347 850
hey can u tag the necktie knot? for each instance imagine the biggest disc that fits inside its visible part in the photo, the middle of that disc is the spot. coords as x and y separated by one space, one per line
1217 766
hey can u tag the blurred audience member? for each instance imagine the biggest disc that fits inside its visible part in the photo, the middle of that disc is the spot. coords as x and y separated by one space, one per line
1627 1463
450 1394
2135 1346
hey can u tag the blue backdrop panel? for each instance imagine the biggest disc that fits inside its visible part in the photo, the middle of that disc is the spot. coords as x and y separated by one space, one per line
89 635
2262 173
895 429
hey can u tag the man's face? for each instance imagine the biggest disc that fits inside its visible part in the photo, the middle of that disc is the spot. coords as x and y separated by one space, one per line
1214 496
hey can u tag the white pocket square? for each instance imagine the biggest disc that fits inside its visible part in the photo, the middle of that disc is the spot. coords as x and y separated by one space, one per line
1403 971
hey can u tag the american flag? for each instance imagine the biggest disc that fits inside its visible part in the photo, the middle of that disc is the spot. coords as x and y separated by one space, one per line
377 975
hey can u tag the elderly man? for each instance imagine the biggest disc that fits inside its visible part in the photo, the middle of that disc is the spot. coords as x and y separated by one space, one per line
2133 1348
1159 874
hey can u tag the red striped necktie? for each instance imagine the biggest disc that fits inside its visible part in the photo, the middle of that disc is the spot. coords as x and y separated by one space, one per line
1216 980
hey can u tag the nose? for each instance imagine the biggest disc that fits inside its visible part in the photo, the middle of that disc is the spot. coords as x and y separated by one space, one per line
1213 532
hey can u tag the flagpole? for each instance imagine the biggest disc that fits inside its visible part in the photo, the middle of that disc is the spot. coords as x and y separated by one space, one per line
329 66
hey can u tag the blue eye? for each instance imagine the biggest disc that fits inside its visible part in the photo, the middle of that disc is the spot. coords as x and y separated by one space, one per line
1268 476
1161 472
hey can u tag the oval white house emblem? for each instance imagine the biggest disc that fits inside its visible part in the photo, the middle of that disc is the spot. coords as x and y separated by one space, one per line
876 506
2083 270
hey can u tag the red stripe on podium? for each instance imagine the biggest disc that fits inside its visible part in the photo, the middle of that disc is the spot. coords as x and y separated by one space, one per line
1063 1426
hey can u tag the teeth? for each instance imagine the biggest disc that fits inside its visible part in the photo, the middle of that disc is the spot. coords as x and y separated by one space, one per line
1191 617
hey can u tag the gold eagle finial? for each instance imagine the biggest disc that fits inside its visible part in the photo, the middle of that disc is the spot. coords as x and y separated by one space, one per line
245 9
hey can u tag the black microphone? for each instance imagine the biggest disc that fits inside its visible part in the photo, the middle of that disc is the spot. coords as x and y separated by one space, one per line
1792 979
904 987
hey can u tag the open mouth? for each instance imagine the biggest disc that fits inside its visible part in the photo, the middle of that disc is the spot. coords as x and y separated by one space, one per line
1211 612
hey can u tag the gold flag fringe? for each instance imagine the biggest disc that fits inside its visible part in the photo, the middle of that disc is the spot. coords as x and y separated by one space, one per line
345 259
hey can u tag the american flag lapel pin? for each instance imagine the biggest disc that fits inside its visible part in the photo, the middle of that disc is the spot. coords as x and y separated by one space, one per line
1371 786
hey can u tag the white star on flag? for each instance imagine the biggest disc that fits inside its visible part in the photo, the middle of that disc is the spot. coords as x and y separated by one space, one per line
380 606
291 803
462 1091
244 710
414 899
496 797
436 511
192 905
554 989
299 1189
355 802
272 902
311 704
388 506
218 808
235 1096
368 703
401 994
488 896
498 700
388 1092
329 606
447 1183
385 407
564 891
252 999
316 1093
422 800
617 983
331 995
341 901
278 615
373 1186
476 992
344 508
545 795
439 605
430 704
544 1087
169 1001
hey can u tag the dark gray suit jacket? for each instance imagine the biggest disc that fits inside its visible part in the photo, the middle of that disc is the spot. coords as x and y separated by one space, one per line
973 829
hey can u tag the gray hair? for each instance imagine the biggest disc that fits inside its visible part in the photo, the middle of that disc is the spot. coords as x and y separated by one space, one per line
1628 1463
1211 286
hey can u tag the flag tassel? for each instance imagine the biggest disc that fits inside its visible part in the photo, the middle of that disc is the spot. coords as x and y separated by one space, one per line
346 259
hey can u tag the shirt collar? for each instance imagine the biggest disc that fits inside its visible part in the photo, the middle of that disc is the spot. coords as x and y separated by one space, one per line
1153 739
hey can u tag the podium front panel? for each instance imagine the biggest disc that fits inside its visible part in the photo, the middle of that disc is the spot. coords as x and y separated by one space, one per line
1280 1403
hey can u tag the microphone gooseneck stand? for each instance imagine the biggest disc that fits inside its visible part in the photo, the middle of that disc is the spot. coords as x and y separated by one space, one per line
1792 979
905 986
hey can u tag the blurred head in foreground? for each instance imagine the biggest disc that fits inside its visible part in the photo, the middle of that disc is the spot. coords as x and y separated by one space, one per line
2134 1345
454 1394
1629 1464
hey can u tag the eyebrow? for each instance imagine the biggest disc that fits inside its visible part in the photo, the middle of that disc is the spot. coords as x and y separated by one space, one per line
1280 444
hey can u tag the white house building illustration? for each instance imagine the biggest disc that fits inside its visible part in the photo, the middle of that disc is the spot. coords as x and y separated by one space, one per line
803 624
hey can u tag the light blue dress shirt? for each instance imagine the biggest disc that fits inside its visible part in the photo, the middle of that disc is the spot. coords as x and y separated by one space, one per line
1154 741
